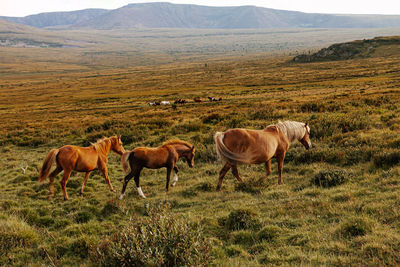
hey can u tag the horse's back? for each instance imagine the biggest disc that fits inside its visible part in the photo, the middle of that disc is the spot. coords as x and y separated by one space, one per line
258 145
150 157
78 158
237 140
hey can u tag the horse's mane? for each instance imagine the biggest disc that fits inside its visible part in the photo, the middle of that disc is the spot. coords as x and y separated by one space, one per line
177 142
294 130
102 144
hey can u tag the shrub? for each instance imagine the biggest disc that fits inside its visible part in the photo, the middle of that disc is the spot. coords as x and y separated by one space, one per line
386 159
353 227
235 250
239 220
159 240
243 237
16 233
330 178
269 233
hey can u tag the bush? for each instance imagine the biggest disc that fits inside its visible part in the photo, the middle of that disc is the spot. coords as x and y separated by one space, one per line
243 237
239 220
354 227
235 250
330 178
16 233
159 240
386 159
269 233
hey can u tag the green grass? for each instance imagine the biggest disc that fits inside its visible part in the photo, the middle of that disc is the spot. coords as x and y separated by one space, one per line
338 204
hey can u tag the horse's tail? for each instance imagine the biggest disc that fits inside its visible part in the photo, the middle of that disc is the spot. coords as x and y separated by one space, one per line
51 157
224 154
125 161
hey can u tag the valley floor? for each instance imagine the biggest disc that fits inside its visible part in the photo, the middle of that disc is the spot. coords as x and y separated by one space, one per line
352 108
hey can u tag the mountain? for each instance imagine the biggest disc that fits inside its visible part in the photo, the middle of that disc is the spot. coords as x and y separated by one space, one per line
167 15
52 19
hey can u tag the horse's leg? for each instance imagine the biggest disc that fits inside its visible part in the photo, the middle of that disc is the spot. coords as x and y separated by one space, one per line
85 182
175 176
103 169
268 170
137 182
235 172
126 180
280 159
222 173
169 170
67 173
52 176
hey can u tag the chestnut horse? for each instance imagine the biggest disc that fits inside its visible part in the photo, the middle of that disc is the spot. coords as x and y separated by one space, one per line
165 155
243 146
82 159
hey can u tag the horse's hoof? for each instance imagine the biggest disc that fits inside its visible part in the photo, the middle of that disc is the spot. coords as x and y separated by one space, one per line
121 196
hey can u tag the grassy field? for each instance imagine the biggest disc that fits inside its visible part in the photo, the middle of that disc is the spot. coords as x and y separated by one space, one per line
340 202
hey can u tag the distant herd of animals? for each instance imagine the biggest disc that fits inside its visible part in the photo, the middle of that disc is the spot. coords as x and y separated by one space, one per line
183 101
234 147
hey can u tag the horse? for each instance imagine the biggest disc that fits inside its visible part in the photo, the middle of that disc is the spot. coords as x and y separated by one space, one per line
243 146
180 101
165 156
82 159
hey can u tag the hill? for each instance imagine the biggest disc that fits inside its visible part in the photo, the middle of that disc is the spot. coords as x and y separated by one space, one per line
354 49
51 19
167 15
17 35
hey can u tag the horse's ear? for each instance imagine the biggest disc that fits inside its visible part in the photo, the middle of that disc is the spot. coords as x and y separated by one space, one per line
192 148
306 124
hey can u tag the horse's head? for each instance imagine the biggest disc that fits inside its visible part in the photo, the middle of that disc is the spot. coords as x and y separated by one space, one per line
305 140
116 145
189 156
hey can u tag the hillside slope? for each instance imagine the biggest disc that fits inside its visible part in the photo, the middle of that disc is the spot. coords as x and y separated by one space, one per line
167 15
51 19
354 49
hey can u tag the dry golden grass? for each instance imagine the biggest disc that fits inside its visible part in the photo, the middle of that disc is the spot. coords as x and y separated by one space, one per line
353 108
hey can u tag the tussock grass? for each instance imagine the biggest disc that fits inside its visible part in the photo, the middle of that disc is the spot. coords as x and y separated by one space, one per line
338 204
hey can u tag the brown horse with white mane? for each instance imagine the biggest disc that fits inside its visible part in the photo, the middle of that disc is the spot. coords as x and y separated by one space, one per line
165 156
242 146
82 159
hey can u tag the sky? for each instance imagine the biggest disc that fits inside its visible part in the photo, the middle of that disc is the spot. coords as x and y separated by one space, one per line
20 8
